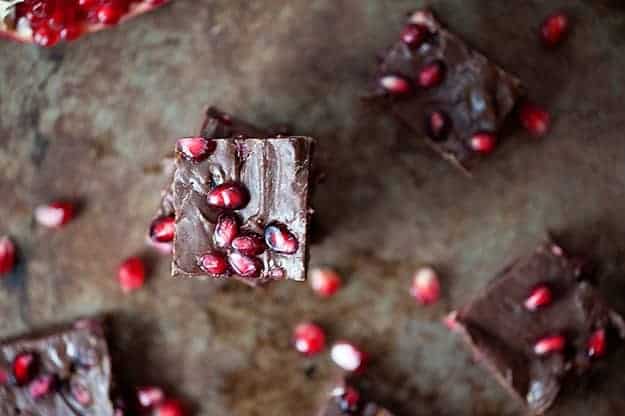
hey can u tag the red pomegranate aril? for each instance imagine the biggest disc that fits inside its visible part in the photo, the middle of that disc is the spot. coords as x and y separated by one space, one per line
229 195
540 297
245 266
534 119
483 142
597 344
414 34
170 407
42 386
109 13
349 400
325 282
347 356
24 367
431 75
162 229
395 85
131 274
437 125
88 4
195 148
80 392
425 286
71 32
554 29
280 239
309 339
226 230
249 244
55 214
150 396
7 255
214 263
46 36
551 344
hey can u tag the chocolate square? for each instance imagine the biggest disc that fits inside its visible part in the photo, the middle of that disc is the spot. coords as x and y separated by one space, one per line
70 373
444 90
346 400
262 189
539 322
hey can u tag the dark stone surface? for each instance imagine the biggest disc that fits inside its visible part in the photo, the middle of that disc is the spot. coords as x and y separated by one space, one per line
91 121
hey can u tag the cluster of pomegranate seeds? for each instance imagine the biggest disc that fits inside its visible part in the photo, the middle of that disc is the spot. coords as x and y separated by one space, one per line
325 282
554 29
7 255
541 296
195 148
309 339
55 214
131 274
534 119
425 286
153 399
348 356
24 367
42 386
550 344
162 229
483 142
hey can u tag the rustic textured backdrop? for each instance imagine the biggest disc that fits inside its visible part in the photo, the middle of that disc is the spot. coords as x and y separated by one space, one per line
91 120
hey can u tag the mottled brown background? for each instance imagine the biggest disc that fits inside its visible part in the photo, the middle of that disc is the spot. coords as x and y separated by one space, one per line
91 121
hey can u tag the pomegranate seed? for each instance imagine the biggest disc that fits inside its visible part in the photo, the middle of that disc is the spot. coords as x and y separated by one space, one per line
162 229
540 296
414 34
534 119
80 392
229 195
348 356
483 142
226 230
7 255
39 11
437 125
195 148
280 239
46 36
395 85
597 344
325 282
54 214
88 4
348 399
109 13
554 29
24 367
550 344
214 263
170 407
42 386
249 244
150 395
131 274
431 75
245 266
425 286
71 32
309 339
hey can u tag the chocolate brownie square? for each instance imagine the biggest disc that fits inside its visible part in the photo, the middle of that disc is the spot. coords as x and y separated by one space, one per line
445 91
242 208
541 321
345 400
65 372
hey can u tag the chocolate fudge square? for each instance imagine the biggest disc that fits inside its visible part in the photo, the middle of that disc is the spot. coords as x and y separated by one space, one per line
345 399
540 323
66 372
445 91
242 208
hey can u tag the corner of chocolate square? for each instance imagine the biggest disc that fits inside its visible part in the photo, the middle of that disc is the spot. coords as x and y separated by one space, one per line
344 399
445 91
538 323
65 371
242 208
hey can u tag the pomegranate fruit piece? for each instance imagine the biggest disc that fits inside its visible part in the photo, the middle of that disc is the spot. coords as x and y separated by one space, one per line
195 148
229 195
431 75
150 396
309 339
483 142
42 386
554 29
280 239
414 34
162 229
131 274
597 344
547 345
540 297
347 356
214 263
534 119
226 230
395 85
46 22
245 266
425 286
325 282
170 407
7 255
249 244
24 367
55 214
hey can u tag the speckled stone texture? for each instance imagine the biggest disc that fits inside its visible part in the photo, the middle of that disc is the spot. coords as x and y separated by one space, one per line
91 120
